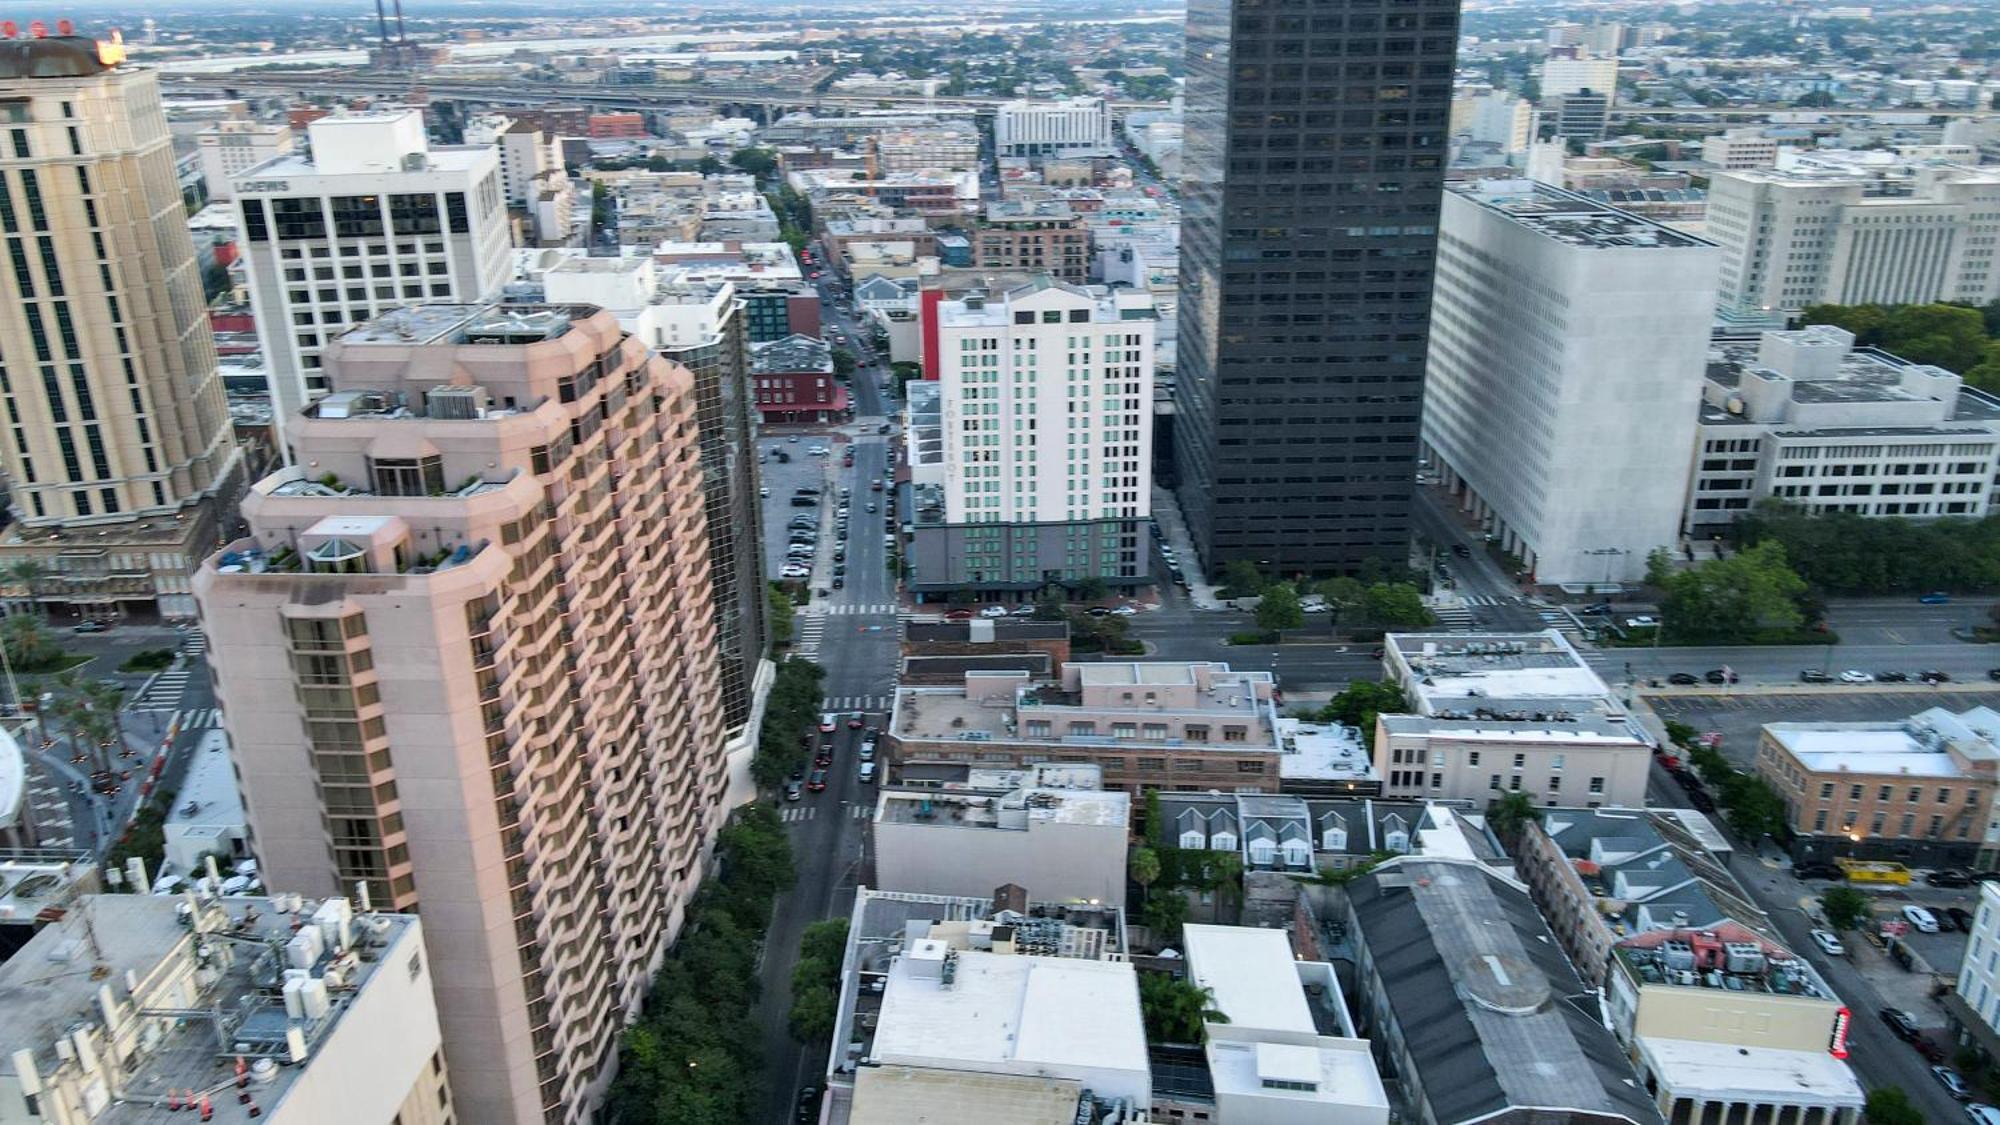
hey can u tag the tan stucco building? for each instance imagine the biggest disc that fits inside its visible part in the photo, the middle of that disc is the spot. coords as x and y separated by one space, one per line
466 658
118 439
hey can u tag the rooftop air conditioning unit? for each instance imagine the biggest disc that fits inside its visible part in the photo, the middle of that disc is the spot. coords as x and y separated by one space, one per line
456 402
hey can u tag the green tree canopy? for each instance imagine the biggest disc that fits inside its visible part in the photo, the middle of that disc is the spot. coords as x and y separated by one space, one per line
756 161
1953 337
1751 594
1845 907
1510 813
1889 1105
1278 608
1361 703
1848 553
1175 1009
1241 579
1395 605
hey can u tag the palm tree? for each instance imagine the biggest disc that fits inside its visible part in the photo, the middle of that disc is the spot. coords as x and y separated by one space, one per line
1174 1010
27 574
1224 877
1145 867
28 643
1509 814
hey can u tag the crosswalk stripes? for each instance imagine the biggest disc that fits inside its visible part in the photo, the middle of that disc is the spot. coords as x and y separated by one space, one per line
861 812
199 718
843 703
1482 599
847 609
195 643
797 813
1453 616
811 629
164 692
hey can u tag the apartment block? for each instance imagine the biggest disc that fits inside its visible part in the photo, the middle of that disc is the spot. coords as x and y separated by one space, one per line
118 450
1973 1004
374 217
1074 127
467 657
1041 235
1740 149
1808 418
1498 713
1047 827
1003 1007
952 145
1544 421
1920 791
325 1012
792 382
1575 71
1145 725
230 147
1042 427
1792 239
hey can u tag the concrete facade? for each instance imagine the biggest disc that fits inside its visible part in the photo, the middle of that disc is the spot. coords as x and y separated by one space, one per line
230 147
1065 843
1075 127
119 442
467 657
1544 419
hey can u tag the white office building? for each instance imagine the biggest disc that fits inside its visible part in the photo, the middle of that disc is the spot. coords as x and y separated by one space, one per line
1740 149
230 147
1496 118
1543 417
1575 75
1792 239
1044 418
1073 127
1808 418
1974 1005
372 219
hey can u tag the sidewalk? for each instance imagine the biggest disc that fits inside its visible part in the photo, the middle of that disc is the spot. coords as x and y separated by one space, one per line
1167 513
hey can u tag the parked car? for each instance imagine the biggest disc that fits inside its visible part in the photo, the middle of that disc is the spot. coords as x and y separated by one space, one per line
1960 917
1948 877
1829 943
808 1105
1817 870
1856 676
1720 676
1993 673
1933 676
867 751
994 611
1891 678
792 791
1902 1024
867 773
1949 1079
1935 597
1683 678
1920 920
1461 550
1814 676
89 627
1982 1114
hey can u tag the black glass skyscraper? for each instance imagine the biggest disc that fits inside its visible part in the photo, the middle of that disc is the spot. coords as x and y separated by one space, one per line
1313 164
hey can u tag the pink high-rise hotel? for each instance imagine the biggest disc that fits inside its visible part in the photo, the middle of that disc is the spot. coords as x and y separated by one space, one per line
467 658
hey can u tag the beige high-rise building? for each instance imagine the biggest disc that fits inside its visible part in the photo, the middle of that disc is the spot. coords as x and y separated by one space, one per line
116 434
466 656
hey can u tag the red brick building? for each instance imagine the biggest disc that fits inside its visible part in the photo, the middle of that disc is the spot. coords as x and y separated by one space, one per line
604 125
792 380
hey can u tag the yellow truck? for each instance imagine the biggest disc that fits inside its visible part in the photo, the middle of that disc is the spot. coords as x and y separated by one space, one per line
1874 871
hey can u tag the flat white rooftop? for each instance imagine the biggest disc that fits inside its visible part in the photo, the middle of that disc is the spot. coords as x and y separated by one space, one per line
1014 1013
1853 748
1322 751
1340 1072
1251 974
1725 1072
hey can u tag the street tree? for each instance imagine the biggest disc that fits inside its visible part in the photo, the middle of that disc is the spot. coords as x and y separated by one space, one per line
1278 608
1889 1105
1845 908
1749 595
1395 605
1241 579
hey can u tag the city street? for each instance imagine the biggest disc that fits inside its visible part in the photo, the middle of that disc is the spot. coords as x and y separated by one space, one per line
854 634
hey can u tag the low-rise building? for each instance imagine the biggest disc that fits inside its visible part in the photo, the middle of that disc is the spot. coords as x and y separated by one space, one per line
1000 1008
207 814
1497 713
325 1014
1047 827
1286 833
1808 418
1973 1004
1920 790
1470 1002
941 653
1034 235
1285 1051
1740 148
792 381
1197 725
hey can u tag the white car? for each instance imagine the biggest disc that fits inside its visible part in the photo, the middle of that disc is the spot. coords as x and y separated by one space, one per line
1920 920
764 491
796 570
1640 623
1829 943
994 611
1125 611
1856 676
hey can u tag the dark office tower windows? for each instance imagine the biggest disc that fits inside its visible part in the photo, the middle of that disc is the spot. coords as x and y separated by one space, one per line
1313 165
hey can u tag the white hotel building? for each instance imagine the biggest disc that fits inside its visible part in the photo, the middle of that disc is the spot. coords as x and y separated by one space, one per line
1543 418
1043 429
373 219
1076 127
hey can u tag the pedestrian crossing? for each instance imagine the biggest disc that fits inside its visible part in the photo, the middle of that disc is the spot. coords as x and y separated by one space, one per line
1483 599
796 814
195 644
1453 616
859 702
848 609
812 628
163 692
199 718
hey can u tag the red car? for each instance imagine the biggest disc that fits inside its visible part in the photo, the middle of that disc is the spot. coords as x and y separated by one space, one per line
824 758
854 721
959 615
817 782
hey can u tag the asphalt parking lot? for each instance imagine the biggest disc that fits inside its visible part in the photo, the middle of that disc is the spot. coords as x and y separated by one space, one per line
783 479
1740 717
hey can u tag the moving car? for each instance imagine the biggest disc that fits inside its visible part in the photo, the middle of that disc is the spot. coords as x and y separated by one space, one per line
1829 943
1948 877
854 721
1461 550
817 782
826 723
867 774
1818 870
792 791
1902 1024
1960 916
1935 597
89 627
1920 920
994 611
868 749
